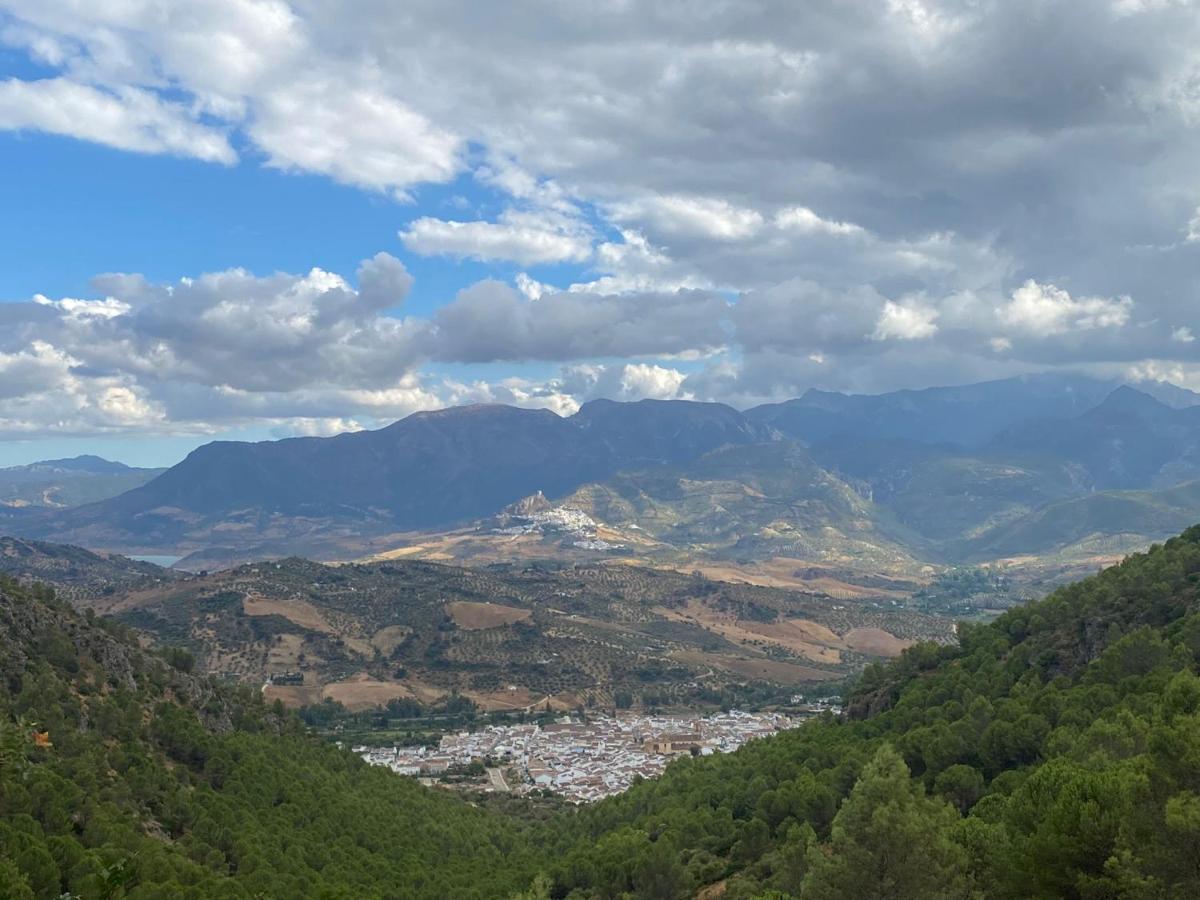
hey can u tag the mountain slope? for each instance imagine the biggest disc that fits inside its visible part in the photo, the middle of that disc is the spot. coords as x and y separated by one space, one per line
1051 754
504 638
428 470
1131 440
964 416
944 494
124 777
56 483
76 573
1133 517
751 502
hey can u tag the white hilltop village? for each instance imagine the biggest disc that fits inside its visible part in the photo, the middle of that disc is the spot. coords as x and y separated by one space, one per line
536 515
587 760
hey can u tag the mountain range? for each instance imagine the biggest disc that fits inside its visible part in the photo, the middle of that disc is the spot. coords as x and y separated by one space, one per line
60 483
893 481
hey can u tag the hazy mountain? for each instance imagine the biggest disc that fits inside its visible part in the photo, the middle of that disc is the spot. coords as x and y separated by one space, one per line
908 476
964 416
1124 517
946 494
428 470
753 502
56 483
1130 440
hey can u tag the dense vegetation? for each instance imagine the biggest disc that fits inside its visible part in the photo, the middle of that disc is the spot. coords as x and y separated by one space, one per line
121 776
1053 753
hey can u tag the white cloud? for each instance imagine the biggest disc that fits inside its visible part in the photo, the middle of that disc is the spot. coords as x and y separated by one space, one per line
689 216
636 266
1182 335
644 380
818 165
127 118
803 219
1043 310
524 238
356 133
531 288
302 426
905 322
107 308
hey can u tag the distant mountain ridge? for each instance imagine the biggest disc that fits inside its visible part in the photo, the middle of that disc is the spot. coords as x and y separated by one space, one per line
966 416
430 469
58 483
932 475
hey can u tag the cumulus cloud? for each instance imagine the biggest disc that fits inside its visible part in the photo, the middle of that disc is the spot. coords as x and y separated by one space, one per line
524 238
355 133
803 219
905 322
1043 309
491 321
690 216
314 353
843 195
631 381
126 118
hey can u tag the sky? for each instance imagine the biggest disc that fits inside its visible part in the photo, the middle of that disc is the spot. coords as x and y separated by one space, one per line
252 219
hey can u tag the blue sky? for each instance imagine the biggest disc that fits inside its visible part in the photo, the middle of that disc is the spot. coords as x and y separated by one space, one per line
320 221
86 209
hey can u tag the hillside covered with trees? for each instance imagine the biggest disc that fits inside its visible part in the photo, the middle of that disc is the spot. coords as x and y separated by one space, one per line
122 775
1052 753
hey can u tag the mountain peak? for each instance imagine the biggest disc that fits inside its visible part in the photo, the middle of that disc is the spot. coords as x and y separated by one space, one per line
1129 400
86 463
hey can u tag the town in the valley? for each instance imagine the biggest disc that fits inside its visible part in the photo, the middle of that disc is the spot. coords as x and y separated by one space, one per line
582 760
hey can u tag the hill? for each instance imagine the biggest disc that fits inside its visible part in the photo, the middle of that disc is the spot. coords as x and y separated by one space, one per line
1049 754
509 638
58 483
760 501
1125 519
124 776
77 574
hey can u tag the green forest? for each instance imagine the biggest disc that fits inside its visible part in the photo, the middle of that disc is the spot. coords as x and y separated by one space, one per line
1054 752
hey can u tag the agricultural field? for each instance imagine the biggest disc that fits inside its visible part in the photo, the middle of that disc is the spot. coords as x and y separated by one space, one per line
511 638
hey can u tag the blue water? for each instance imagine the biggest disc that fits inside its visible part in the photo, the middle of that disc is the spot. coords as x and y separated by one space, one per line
165 561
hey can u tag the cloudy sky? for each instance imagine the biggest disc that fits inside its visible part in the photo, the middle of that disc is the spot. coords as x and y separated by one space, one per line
256 218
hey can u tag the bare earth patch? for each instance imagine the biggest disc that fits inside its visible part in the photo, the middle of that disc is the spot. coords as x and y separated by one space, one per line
363 692
301 612
875 641
476 616
387 639
805 638
285 655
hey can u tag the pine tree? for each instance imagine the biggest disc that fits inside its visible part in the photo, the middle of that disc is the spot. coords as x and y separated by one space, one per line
889 842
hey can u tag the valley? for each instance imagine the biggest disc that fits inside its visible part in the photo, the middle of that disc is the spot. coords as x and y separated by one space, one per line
505 638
